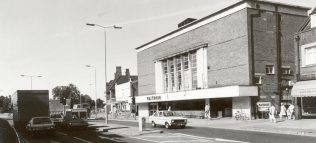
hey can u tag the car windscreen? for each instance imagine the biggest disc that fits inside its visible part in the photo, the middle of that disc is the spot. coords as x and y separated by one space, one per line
168 114
55 116
42 121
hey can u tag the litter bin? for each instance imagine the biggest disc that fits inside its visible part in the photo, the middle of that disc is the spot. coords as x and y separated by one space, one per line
141 123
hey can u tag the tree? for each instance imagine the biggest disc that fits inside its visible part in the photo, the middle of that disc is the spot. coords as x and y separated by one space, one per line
67 92
5 103
100 103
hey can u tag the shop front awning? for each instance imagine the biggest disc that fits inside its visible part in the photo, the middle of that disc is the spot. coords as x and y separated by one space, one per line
304 89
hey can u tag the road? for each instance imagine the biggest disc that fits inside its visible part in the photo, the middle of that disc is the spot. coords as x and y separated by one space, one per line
90 135
245 136
188 134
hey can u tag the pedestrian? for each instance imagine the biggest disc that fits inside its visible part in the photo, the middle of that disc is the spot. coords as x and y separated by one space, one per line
169 108
291 111
272 113
207 111
282 111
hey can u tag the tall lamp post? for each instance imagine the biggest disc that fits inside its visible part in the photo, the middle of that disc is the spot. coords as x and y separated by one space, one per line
104 28
95 85
30 76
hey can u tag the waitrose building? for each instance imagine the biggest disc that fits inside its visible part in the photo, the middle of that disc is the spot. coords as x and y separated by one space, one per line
232 60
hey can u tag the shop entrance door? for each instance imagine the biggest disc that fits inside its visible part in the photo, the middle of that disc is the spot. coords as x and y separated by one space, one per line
153 107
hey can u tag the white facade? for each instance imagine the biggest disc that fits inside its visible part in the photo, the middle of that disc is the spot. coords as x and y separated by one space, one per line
123 96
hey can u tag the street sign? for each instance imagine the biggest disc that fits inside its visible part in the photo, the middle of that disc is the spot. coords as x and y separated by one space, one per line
263 106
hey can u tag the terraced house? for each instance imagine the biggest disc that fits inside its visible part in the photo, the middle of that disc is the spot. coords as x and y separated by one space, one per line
304 90
232 59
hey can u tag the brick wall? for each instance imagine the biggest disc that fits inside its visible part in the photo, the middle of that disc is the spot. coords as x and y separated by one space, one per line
227 40
306 37
265 46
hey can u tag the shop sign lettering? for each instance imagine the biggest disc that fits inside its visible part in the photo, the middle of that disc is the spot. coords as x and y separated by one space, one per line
263 106
153 98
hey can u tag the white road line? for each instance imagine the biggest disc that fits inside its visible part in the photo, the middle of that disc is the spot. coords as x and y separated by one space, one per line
225 140
112 139
145 139
197 137
61 133
82 140
216 139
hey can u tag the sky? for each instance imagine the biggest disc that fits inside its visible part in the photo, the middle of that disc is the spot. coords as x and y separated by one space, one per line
50 38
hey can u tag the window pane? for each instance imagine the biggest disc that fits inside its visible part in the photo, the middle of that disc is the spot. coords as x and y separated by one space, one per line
193 70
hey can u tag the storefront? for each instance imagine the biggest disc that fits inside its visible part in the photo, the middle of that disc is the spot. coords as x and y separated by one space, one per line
223 101
305 92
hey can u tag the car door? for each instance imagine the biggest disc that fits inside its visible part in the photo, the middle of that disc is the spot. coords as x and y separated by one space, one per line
161 118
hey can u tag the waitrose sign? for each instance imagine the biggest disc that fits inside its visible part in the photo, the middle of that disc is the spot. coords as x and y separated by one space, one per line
263 106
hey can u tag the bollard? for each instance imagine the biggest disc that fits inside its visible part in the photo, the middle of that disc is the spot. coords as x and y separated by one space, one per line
141 123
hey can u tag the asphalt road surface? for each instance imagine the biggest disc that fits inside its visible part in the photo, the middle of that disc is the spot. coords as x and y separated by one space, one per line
90 135
234 135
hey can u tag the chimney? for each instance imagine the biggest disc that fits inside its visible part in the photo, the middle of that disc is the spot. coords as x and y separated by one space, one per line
313 18
127 74
185 22
118 72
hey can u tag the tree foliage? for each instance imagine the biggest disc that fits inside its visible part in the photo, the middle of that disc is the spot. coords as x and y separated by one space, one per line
5 104
100 103
67 92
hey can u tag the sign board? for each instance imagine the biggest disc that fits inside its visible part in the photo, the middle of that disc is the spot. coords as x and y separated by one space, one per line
263 106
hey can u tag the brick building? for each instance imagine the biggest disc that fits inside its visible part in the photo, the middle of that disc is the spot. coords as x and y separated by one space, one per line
304 90
231 60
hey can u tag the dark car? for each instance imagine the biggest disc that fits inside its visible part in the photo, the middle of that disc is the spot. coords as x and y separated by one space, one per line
39 125
7 133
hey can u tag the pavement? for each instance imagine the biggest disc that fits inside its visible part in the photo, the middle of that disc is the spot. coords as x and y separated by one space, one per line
303 127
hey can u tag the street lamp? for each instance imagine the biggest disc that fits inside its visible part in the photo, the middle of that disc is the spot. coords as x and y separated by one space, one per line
30 76
95 85
104 28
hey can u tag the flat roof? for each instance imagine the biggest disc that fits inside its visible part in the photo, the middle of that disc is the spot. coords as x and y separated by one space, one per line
218 12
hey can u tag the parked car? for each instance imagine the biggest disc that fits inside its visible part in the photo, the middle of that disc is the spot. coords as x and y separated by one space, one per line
38 125
167 119
7 133
57 119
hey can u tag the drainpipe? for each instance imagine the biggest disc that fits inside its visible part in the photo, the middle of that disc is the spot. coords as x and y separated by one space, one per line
298 107
279 54
253 99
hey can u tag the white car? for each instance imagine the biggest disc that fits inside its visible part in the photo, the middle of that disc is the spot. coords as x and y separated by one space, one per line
167 119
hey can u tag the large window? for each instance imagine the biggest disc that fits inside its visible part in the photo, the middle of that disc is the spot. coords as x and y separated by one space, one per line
172 77
165 74
180 72
310 56
193 70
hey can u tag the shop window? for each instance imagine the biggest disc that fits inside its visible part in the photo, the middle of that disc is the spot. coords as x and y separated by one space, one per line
270 69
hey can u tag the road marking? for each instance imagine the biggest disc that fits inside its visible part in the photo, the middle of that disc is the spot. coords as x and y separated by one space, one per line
216 139
112 139
61 133
145 139
82 140
225 140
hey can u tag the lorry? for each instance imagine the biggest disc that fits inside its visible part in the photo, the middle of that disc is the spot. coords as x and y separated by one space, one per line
28 104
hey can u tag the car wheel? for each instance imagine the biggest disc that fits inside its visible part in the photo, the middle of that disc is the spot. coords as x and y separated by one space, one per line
153 124
167 126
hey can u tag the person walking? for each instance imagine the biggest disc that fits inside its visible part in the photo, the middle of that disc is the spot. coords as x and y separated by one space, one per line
282 111
272 113
291 111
